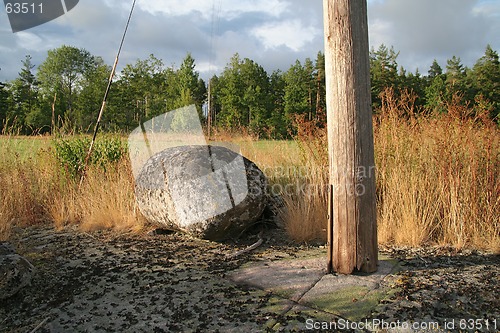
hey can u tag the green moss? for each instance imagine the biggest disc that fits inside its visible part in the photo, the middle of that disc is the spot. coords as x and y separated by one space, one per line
353 303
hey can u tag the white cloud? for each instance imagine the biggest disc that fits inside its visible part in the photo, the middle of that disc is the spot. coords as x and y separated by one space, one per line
228 9
423 30
380 32
291 34
274 33
29 41
489 8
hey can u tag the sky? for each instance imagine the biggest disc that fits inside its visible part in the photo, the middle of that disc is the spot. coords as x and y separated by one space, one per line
274 33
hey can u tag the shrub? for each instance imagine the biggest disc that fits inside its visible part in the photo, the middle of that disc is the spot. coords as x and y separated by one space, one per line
72 152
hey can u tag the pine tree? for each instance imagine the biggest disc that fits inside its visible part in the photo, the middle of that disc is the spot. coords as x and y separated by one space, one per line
435 70
383 72
244 96
297 96
277 122
26 107
455 73
230 95
486 80
3 105
191 89
320 89
435 94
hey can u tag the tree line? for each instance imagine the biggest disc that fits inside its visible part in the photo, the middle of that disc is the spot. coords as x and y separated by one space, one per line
66 92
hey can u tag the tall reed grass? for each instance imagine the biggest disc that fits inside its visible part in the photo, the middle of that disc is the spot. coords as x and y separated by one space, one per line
23 188
438 178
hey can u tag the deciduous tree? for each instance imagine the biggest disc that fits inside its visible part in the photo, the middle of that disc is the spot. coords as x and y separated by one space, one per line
65 72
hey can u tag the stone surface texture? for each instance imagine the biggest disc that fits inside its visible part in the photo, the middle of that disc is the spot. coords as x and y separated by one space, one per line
207 191
15 271
105 282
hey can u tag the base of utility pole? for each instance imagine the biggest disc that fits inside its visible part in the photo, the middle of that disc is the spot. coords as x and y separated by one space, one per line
352 222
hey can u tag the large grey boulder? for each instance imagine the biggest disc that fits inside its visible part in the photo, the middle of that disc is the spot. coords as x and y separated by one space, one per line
207 191
15 271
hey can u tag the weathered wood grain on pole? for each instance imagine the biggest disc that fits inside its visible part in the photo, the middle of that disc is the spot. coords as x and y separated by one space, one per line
353 245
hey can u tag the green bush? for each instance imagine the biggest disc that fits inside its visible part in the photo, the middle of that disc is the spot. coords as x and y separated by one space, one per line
71 153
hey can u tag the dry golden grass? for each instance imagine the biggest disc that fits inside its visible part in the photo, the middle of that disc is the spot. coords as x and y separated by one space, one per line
438 181
22 185
105 201
296 173
304 213
34 190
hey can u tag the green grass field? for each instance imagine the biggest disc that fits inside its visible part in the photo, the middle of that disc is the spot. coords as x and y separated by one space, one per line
24 147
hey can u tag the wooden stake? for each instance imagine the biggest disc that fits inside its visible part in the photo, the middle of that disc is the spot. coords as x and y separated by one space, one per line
329 229
54 114
209 110
350 138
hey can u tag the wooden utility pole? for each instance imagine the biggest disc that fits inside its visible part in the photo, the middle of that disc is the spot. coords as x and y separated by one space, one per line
352 223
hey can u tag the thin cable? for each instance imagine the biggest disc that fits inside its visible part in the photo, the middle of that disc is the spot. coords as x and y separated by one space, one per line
108 88
213 32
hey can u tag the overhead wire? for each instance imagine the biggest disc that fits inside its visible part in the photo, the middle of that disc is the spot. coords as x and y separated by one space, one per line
212 58
108 88
213 33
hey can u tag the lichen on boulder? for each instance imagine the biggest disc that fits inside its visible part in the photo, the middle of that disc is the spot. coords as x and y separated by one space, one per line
207 191
15 271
